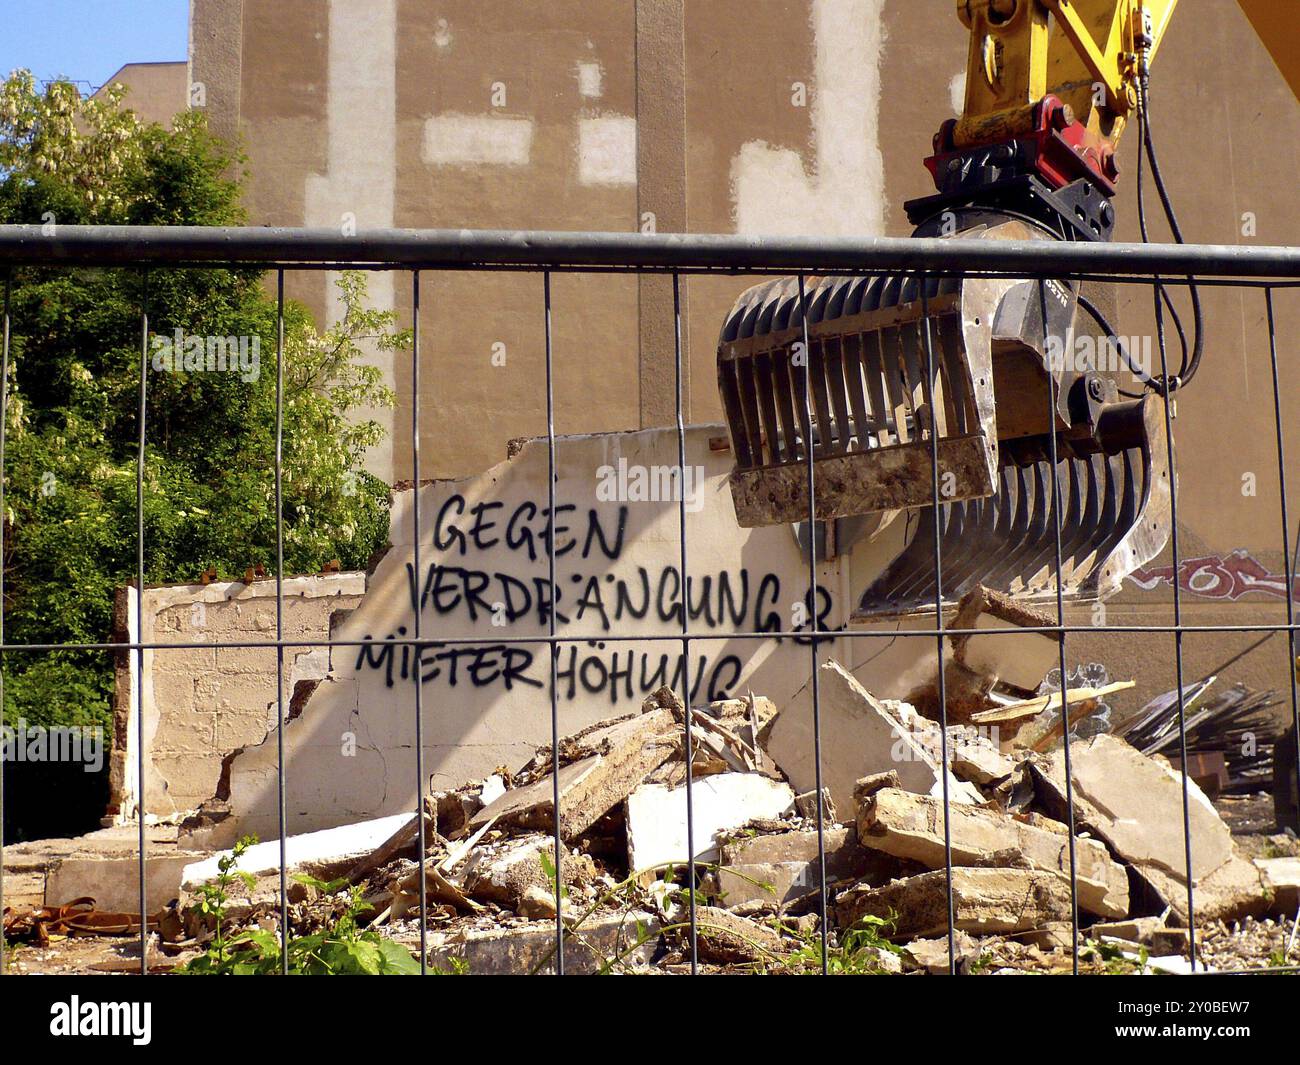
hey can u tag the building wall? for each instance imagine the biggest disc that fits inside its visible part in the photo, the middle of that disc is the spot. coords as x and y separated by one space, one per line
483 574
753 116
157 92
200 703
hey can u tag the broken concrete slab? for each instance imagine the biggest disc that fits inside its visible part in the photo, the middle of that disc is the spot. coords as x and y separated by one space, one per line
973 751
29 865
727 938
787 864
1002 653
1232 891
1135 803
1282 878
975 757
623 753
331 850
1136 930
1003 649
984 900
505 872
912 826
618 942
859 737
114 883
656 815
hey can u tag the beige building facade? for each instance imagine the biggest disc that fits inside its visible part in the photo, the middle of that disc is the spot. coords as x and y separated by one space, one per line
157 92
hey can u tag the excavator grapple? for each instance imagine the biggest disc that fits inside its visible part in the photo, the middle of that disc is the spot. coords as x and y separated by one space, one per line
977 371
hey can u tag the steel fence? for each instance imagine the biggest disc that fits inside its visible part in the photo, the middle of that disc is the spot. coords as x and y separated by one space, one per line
1267 270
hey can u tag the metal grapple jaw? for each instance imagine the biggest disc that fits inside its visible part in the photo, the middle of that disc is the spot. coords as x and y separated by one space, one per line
978 371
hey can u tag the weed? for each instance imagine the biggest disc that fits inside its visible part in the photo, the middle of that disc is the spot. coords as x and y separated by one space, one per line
1113 959
341 949
855 952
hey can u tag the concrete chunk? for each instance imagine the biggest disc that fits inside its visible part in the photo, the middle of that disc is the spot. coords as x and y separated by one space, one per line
656 815
726 938
504 873
931 955
973 752
1282 876
329 850
625 753
912 826
859 737
114 883
614 941
984 900
1135 803
1137 930
787 861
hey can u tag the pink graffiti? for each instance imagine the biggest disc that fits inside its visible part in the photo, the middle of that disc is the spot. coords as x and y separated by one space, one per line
1218 577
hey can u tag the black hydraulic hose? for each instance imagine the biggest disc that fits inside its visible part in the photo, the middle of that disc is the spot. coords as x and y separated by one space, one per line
1162 385
1198 322
1188 363
1095 313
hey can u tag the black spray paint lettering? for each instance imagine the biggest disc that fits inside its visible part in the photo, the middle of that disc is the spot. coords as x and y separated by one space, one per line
726 600
632 674
528 529
478 665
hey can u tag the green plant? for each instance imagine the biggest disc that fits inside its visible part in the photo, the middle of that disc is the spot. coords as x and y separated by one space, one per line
854 952
212 905
558 890
1113 959
342 948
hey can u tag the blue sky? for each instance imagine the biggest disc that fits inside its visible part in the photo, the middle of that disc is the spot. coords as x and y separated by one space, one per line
89 40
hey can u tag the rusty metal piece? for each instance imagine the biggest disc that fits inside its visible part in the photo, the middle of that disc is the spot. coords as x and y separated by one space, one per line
900 477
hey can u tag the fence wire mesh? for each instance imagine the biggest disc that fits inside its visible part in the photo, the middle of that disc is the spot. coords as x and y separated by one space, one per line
1262 274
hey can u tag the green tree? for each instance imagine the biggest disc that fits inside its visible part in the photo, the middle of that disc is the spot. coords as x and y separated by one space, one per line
74 379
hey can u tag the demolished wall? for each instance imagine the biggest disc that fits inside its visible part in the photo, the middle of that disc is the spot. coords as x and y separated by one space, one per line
483 576
483 586
202 702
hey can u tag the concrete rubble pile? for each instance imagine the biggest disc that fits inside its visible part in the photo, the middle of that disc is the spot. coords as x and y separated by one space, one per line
758 847
760 841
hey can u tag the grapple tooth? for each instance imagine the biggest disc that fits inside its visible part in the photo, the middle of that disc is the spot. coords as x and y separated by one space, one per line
1114 518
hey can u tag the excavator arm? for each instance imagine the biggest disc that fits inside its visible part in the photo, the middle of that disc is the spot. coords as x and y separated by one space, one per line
1088 54
1083 62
